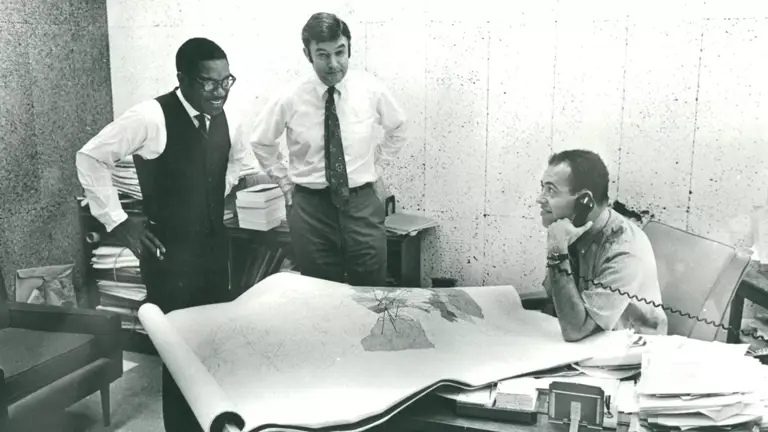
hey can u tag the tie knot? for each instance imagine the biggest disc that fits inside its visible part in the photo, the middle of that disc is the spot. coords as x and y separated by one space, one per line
200 118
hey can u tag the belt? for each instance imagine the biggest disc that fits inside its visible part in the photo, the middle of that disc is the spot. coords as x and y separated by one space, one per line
326 191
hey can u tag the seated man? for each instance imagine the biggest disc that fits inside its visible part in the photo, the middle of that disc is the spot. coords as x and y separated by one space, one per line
587 240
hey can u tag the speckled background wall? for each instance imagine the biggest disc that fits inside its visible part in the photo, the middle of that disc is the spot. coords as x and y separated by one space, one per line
55 92
672 94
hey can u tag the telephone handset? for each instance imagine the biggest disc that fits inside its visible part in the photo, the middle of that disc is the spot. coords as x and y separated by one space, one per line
584 205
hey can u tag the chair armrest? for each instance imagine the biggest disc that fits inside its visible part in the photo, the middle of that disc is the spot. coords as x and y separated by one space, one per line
535 300
68 320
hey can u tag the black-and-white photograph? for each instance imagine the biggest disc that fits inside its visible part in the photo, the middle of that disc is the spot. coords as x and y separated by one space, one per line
383 216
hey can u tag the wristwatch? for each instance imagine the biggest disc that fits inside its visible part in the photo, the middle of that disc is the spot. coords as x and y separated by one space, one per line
555 259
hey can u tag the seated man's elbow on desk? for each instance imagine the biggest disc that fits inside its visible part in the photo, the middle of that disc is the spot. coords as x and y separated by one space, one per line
576 333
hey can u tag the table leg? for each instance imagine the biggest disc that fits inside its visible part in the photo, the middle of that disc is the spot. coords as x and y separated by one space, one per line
737 309
410 261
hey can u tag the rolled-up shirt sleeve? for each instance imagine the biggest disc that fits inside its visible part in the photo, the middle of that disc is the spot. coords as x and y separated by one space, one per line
140 130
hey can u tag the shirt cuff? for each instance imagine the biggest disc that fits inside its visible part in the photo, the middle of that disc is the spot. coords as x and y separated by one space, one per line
119 218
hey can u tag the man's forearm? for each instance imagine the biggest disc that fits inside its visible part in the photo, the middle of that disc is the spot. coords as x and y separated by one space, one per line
388 149
573 317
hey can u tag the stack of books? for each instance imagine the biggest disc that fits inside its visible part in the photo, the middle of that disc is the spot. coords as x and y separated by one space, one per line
118 278
125 179
687 384
260 207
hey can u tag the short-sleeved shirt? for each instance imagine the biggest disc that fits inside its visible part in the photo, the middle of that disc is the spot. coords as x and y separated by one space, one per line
617 253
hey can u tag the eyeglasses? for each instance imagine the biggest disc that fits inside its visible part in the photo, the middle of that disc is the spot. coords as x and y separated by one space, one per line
210 85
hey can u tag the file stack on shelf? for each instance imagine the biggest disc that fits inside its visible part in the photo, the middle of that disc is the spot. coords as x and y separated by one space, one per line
260 207
125 179
688 384
118 278
404 223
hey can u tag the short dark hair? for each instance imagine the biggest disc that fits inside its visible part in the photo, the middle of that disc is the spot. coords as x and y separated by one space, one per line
588 171
325 27
194 51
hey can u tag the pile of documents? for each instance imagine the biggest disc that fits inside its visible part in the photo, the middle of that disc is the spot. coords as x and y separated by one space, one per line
125 179
260 207
118 278
407 223
689 384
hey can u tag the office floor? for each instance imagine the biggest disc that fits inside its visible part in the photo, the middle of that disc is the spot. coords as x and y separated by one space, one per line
135 402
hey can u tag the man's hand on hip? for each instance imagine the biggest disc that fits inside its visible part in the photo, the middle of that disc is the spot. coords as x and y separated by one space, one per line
288 193
134 235
381 189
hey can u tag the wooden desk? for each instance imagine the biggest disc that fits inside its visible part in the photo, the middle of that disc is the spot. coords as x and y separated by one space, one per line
437 414
252 248
753 287
403 254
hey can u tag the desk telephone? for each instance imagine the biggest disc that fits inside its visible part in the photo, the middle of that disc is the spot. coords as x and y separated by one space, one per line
584 205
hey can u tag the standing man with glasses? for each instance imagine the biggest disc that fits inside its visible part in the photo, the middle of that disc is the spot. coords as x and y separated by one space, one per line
335 217
187 162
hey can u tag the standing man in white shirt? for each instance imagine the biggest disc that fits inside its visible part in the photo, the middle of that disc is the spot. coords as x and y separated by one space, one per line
335 217
187 162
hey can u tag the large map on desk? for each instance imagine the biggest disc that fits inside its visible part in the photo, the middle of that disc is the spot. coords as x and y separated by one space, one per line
295 352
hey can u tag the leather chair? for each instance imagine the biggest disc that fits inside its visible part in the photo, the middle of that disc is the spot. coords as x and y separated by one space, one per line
52 357
697 276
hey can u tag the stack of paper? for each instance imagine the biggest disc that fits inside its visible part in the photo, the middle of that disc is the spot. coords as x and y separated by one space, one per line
119 290
126 181
688 384
260 207
408 224
124 178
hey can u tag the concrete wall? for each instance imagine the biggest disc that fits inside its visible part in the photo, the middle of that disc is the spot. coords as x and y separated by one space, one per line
55 94
672 98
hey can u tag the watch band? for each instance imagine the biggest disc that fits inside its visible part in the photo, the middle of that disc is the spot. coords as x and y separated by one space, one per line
555 259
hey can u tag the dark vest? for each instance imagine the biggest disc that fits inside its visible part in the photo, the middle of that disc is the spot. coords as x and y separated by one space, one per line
183 188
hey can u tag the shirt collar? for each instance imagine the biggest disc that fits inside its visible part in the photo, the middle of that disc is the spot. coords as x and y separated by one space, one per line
321 88
191 111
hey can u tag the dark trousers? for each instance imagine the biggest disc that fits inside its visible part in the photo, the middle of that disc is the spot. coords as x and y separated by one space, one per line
341 245
190 274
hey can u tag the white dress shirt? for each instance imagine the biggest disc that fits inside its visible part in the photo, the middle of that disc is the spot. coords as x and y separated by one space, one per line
362 102
138 131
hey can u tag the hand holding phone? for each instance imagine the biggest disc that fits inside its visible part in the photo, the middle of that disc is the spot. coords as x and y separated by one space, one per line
583 206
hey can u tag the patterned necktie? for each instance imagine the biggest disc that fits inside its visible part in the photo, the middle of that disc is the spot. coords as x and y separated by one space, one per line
335 165
202 126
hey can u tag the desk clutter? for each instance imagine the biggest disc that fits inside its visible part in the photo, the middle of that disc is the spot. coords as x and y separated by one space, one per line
665 383
125 179
118 278
260 207
405 223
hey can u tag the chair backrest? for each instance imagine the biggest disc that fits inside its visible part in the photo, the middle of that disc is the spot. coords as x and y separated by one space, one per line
697 276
